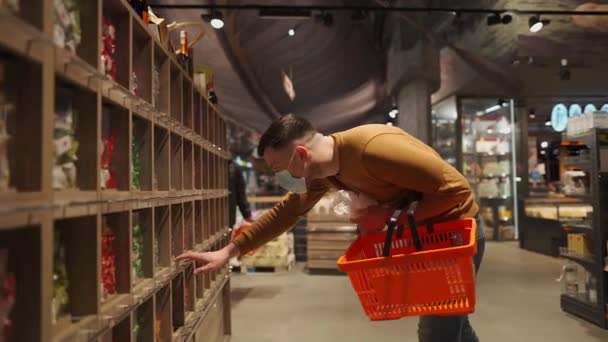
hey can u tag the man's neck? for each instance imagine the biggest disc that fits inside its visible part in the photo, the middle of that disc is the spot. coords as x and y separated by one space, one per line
327 156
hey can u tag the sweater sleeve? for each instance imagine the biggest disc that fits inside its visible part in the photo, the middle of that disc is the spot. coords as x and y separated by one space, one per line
393 159
279 219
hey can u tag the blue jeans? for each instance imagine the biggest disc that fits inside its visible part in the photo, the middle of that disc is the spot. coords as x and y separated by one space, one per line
451 328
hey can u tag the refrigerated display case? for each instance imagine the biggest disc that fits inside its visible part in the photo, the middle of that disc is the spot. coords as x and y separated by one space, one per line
476 136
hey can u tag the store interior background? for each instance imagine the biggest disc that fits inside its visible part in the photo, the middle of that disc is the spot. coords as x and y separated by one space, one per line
493 98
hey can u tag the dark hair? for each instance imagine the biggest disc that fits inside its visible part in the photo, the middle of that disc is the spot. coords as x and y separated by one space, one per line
283 131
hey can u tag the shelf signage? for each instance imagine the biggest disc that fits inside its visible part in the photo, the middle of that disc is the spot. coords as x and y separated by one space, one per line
560 114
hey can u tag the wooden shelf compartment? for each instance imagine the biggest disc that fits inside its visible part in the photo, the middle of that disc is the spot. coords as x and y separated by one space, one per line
207 231
188 225
88 49
163 318
143 322
142 47
198 167
187 105
75 244
198 222
161 180
162 238
189 289
141 155
175 96
21 107
206 109
21 267
206 167
160 92
115 12
142 258
176 162
197 112
120 332
115 256
115 130
188 167
79 107
30 12
177 230
177 291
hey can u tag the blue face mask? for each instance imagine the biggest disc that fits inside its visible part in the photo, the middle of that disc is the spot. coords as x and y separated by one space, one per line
289 182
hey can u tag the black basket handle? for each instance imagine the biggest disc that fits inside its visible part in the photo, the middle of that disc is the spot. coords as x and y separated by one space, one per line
392 224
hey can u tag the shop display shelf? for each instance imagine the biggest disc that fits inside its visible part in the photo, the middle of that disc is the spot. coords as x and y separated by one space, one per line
589 262
187 105
162 65
163 320
177 230
77 209
162 152
116 13
188 164
141 155
580 307
579 227
75 288
115 158
176 92
177 291
176 162
578 162
141 77
143 322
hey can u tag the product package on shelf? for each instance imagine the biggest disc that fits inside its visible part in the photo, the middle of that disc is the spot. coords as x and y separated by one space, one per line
134 84
108 40
65 144
577 282
67 33
108 261
138 249
276 253
61 299
8 295
579 245
575 182
136 164
108 143
7 109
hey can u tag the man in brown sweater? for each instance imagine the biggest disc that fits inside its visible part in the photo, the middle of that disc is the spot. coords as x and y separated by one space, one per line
381 162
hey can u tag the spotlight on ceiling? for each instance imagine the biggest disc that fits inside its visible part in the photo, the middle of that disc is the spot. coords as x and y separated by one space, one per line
535 23
215 18
496 19
532 113
291 32
393 113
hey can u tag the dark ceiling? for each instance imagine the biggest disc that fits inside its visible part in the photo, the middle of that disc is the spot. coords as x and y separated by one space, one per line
339 71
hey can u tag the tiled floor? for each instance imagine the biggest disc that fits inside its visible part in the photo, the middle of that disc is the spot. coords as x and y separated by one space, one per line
518 300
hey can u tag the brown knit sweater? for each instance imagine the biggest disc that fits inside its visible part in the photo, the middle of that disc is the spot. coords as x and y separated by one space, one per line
384 163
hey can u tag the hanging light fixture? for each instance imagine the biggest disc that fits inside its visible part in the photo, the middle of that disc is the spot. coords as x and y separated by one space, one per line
217 20
535 23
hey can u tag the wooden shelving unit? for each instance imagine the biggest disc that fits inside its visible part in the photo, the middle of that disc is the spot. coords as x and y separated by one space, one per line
176 202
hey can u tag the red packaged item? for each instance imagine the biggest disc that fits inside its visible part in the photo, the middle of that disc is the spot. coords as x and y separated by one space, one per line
108 40
108 262
108 176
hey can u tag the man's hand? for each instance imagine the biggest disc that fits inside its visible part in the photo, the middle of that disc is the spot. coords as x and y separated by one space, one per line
371 219
212 261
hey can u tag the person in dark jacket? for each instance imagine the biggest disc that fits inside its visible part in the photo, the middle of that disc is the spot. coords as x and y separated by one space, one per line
238 194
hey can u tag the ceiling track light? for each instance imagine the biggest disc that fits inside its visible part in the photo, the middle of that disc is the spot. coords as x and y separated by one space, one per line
497 18
535 23
284 13
215 19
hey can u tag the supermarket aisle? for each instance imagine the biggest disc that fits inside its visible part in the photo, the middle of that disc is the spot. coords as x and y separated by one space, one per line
518 301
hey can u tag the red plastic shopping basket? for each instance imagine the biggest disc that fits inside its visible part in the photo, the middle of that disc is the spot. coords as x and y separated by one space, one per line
422 271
